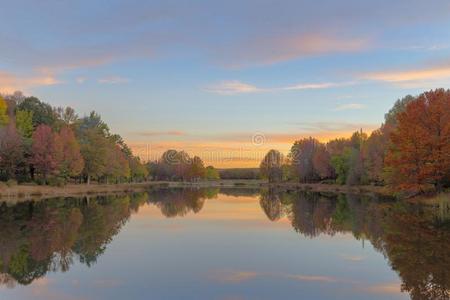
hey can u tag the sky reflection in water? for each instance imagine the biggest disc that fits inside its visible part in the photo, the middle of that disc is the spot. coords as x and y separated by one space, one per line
227 244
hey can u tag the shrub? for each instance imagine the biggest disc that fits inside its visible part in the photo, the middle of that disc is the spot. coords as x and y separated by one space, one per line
57 181
11 182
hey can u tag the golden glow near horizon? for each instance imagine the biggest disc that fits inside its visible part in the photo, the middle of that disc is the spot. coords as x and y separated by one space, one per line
234 154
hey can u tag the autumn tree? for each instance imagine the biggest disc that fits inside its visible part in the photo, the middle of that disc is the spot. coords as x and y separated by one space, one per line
43 151
116 166
11 151
4 119
271 166
420 151
67 151
310 160
196 169
138 171
94 147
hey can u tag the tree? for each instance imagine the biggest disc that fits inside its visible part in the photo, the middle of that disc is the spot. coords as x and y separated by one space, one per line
43 151
4 119
138 171
322 162
42 112
211 173
94 147
420 149
11 151
310 160
24 123
68 155
196 169
271 166
117 166
341 165
374 152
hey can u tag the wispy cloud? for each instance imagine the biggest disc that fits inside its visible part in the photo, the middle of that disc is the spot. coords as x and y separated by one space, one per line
231 276
234 87
390 288
113 80
10 82
350 106
413 75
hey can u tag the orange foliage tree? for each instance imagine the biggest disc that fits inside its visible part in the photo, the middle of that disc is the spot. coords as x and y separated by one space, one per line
420 145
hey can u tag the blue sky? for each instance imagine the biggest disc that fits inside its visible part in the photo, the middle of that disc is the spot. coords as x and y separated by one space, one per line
210 75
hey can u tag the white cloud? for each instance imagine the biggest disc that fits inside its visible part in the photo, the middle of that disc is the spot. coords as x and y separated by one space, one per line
234 87
113 80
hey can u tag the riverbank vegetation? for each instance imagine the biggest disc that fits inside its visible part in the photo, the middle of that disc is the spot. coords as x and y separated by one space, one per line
47 145
410 152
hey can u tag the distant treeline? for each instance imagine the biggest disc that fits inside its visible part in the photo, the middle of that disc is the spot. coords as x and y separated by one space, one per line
239 173
410 151
51 145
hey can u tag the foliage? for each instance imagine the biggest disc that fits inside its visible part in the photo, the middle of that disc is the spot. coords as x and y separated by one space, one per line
310 160
4 119
271 166
42 112
420 149
24 123
67 152
11 152
211 173
44 151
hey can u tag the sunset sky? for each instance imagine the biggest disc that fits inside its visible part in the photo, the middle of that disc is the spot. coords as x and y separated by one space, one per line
227 80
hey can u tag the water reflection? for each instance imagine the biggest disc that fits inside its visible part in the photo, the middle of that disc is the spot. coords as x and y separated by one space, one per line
52 235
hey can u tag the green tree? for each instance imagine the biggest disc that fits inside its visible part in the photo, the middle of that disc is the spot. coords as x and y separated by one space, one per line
42 112
24 123
211 173
94 149
4 119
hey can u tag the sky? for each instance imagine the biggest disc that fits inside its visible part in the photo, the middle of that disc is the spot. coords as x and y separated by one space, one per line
226 80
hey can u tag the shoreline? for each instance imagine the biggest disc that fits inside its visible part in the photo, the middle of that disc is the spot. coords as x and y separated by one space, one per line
25 192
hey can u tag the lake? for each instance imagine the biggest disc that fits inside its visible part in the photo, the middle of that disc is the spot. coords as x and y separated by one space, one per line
224 244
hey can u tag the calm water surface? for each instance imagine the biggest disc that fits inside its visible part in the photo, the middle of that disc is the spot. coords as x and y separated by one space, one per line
227 244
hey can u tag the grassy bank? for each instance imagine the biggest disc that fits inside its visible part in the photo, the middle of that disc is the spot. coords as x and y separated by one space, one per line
23 192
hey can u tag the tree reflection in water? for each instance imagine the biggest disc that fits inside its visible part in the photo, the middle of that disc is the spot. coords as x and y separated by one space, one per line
415 239
51 235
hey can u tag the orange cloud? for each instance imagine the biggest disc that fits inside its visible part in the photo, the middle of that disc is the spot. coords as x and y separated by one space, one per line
432 73
10 82
385 288
241 276
235 87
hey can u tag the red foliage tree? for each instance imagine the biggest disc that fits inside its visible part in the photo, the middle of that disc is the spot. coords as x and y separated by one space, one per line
11 151
43 151
67 151
420 152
